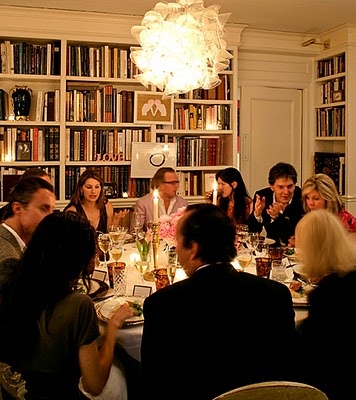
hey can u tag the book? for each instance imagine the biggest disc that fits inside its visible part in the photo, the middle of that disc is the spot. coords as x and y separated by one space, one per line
50 106
331 164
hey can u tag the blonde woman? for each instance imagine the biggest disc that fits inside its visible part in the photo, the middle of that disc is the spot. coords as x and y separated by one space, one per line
329 331
319 191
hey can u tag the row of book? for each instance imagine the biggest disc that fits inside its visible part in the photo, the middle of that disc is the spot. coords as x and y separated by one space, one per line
330 122
29 58
200 151
103 144
202 116
106 104
332 164
10 177
332 91
41 144
116 178
104 61
220 92
332 66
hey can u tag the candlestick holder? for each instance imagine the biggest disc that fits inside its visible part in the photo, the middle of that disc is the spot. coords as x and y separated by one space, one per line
155 243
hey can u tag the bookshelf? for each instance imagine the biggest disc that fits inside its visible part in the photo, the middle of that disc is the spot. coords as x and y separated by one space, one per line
79 117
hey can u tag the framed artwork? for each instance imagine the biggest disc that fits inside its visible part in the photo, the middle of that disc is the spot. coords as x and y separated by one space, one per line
23 150
337 96
152 108
147 157
110 190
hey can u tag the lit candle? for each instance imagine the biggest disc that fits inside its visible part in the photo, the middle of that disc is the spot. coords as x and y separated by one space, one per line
155 206
215 193
133 258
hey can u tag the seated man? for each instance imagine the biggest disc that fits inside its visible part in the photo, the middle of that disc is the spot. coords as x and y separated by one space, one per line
219 328
166 181
278 208
29 202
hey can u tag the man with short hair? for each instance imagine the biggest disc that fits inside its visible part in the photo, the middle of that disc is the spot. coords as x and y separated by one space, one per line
219 328
279 207
165 180
29 202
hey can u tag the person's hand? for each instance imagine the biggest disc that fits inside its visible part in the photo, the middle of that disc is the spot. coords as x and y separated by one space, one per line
274 209
121 315
119 215
259 205
291 241
209 196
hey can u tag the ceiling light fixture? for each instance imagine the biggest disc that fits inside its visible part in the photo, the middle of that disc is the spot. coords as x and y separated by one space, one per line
181 47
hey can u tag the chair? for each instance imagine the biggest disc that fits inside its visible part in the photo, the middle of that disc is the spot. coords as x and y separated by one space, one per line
274 390
11 383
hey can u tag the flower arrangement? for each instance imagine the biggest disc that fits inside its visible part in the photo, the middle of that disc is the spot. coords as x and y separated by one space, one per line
168 226
143 244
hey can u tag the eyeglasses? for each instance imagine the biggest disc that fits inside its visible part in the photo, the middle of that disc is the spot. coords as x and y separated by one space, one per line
172 183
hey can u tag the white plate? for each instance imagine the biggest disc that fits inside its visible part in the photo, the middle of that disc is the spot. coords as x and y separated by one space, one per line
104 308
128 237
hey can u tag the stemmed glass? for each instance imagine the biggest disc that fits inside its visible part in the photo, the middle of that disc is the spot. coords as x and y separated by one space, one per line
114 233
244 257
138 223
116 250
104 244
142 267
242 232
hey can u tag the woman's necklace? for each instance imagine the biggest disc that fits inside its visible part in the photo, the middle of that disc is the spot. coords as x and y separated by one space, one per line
92 215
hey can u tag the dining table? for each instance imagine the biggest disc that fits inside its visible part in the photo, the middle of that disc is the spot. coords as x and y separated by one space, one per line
130 335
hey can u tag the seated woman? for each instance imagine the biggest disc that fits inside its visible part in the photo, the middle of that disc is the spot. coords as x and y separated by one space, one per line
319 191
49 331
233 196
89 201
329 331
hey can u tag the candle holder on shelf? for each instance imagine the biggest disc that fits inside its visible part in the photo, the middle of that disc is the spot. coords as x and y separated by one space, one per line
155 243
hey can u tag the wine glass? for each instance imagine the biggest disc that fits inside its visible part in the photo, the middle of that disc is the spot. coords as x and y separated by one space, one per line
242 232
116 250
104 244
138 223
142 267
244 257
114 232
171 272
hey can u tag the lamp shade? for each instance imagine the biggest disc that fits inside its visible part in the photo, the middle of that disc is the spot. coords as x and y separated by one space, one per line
181 47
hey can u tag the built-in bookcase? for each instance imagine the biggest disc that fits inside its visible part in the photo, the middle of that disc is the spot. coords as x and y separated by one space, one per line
82 113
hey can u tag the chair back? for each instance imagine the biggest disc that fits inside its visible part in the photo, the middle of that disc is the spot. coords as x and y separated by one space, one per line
11 383
275 390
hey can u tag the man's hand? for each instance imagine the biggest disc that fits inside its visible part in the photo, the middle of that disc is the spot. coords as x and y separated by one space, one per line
259 206
274 209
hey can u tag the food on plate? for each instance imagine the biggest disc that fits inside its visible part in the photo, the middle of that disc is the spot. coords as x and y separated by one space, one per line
296 289
290 251
135 305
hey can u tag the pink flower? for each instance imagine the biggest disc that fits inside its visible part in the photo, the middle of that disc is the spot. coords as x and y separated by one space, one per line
168 226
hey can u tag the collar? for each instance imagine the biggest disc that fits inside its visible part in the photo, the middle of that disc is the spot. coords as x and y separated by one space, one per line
207 265
17 237
161 207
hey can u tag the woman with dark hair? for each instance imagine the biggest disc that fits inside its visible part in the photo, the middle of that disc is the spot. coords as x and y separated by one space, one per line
50 329
233 196
89 201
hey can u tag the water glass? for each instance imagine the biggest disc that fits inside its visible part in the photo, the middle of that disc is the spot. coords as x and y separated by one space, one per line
263 266
161 278
117 278
278 271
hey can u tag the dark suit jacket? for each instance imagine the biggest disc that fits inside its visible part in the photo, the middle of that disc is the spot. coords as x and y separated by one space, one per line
9 246
214 331
283 227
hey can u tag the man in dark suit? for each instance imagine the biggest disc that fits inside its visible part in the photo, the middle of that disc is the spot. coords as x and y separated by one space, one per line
219 328
278 208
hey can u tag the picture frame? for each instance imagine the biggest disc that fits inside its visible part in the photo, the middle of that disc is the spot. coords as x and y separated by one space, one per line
152 108
141 290
147 157
110 190
23 150
338 96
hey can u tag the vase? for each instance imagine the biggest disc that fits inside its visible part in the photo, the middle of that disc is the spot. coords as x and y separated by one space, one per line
144 255
21 102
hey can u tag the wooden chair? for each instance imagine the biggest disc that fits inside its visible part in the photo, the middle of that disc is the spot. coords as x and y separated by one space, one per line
274 390
11 383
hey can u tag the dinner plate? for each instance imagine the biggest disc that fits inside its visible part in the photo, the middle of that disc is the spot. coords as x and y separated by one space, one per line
128 238
105 308
97 287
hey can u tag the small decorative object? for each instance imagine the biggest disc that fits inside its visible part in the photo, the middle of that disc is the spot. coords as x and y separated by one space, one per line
143 244
23 150
152 108
21 102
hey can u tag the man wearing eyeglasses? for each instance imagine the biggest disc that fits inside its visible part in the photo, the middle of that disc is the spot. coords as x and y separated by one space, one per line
166 181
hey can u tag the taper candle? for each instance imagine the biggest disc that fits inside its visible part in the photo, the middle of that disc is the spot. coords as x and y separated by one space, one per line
215 193
155 206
